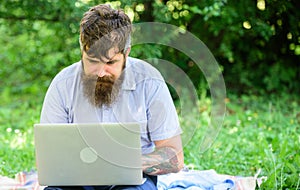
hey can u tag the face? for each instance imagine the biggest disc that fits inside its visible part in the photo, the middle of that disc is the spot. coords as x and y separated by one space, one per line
100 77
111 66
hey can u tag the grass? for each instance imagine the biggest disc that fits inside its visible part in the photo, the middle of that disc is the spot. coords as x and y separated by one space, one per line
17 116
258 133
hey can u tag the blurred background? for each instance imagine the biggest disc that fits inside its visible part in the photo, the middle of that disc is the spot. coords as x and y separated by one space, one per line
256 43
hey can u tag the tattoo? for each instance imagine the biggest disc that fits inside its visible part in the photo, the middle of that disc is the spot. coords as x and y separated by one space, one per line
162 161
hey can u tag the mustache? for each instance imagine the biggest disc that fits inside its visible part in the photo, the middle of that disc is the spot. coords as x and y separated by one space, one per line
105 79
98 80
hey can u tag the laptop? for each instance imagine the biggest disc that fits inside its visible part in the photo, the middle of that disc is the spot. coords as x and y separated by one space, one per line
88 154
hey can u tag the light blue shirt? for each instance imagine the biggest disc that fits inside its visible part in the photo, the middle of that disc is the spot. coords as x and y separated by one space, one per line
144 98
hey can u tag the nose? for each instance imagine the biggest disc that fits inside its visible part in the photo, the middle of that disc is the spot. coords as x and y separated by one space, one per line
102 71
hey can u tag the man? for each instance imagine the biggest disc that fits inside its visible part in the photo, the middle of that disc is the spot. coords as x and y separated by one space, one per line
109 86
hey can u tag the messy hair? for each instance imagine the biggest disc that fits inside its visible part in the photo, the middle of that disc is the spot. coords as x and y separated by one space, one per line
103 28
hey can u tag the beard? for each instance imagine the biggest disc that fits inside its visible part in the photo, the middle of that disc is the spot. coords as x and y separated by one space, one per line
101 91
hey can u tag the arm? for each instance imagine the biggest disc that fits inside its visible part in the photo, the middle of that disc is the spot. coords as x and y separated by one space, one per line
54 109
167 158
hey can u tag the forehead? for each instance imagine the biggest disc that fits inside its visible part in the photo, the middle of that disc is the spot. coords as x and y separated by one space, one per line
102 48
117 57
110 55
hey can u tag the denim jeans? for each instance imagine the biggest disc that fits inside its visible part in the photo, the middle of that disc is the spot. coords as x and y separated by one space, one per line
149 184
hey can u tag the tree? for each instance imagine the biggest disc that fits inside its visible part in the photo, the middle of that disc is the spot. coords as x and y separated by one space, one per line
255 42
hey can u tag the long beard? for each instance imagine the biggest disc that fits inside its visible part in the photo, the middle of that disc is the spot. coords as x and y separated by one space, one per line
101 91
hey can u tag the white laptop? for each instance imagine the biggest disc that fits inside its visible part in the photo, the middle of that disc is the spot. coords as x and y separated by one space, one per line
88 154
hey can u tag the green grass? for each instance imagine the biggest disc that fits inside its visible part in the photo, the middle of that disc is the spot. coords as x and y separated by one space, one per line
257 133
18 113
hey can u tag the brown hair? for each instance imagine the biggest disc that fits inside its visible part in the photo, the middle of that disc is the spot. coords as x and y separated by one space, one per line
103 28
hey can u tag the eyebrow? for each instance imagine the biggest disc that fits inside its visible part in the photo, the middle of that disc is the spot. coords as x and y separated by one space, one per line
92 59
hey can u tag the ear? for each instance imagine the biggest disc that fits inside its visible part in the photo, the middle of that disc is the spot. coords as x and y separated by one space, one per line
127 52
81 48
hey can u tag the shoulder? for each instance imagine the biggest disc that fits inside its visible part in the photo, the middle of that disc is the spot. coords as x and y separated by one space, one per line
143 69
141 76
69 71
140 73
67 75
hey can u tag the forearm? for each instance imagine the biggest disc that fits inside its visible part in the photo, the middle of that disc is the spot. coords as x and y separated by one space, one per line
162 161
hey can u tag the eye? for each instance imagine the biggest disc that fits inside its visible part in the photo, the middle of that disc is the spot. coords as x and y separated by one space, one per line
110 62
93 62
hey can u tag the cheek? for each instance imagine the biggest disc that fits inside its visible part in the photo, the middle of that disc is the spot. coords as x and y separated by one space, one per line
90 69
119 70
115 70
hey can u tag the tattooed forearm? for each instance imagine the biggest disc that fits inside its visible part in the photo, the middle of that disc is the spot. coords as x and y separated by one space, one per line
162 161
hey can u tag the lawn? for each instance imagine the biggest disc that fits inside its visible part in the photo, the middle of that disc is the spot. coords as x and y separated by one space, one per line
258 133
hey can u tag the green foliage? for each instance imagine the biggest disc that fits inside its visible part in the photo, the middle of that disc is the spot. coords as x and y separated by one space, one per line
255 42
246 41
40 37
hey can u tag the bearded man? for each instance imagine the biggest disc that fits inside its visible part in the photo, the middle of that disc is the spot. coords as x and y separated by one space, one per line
107 85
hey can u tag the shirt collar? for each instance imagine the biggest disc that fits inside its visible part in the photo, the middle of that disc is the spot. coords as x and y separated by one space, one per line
129 82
